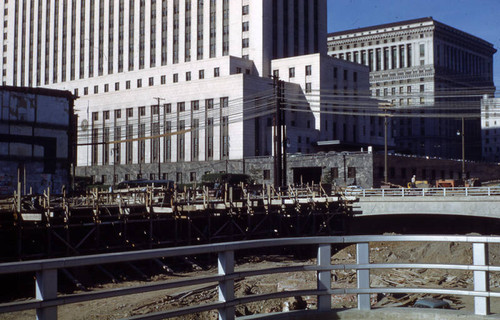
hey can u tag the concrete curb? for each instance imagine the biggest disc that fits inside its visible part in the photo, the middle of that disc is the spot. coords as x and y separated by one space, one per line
375 314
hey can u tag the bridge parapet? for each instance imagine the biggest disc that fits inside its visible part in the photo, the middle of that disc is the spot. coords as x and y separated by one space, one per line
47 298
427 192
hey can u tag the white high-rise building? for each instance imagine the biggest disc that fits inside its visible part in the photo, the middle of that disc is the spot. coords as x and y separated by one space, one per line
165 83
50 42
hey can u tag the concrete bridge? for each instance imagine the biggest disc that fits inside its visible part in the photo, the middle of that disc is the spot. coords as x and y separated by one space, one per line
474 202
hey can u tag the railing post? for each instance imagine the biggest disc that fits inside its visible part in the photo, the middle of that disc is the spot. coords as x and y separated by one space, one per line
383 192
481 278
402 192
466 192
226 287
324 277
46 289
363 275
444 192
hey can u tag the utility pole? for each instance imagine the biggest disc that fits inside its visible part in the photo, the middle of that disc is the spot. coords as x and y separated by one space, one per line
284 138
385 146
279 135
158 99
384 106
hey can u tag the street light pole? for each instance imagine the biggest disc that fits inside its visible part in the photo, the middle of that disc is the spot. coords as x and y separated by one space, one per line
463 148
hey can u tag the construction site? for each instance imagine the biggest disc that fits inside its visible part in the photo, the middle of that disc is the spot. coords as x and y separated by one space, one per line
44 226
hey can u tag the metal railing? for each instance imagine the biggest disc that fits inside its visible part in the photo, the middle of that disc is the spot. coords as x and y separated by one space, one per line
47 298
426 192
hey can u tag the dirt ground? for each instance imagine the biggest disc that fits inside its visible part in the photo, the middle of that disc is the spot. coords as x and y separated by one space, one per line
456 253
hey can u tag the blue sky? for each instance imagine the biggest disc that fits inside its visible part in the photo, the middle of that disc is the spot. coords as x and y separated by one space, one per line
480 18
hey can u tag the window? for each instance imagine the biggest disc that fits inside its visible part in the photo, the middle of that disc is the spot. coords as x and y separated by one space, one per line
192 176
181 106
308 87
163 79
130 112
96 89
151 81
195 105
224 102
238 70
106 87
335 71
245 10
188 76
95 116
117 86
139 83
176 77
155 109
86 91
345 75
118 114
142 111
105 115
127 84
168 107
75 92
355 77
201 74
309 70
266 174
245 26
334 173
351 172
209 103
245 42
216 72
291 72
276 73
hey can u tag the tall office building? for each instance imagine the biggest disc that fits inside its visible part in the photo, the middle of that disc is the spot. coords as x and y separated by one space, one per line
168 87
432 74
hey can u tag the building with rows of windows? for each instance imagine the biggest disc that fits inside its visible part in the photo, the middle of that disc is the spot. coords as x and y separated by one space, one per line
428 71
175 88
490 128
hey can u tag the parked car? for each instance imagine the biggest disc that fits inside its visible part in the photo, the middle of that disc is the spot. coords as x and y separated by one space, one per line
353 191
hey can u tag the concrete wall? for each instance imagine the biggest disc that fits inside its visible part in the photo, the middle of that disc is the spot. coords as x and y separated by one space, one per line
259 168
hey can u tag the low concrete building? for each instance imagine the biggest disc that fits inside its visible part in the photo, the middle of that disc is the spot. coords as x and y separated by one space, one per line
37 135
490 128
363 168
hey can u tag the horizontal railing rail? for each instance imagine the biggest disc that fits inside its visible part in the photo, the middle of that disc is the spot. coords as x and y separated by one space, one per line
47 298
426 192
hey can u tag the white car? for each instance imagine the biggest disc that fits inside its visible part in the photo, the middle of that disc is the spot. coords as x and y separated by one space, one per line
353 191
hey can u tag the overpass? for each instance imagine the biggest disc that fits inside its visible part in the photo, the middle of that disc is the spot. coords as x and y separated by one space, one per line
481 202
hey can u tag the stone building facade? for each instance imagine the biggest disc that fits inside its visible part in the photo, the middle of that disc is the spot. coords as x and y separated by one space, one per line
432 74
